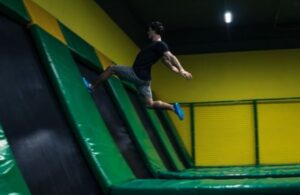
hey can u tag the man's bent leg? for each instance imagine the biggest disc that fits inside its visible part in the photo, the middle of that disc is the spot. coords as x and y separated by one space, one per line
103 76
146 92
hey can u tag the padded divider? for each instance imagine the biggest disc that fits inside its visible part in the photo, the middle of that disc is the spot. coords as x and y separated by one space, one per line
155 125
150 155
176 140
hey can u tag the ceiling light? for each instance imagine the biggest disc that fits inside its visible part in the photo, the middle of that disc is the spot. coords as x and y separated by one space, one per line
228 17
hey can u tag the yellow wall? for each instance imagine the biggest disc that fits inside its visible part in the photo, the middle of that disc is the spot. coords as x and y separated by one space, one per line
237 76
231 76
105 61
91 23
224 135
279 133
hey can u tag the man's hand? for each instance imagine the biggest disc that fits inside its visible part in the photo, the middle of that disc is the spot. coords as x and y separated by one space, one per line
186 74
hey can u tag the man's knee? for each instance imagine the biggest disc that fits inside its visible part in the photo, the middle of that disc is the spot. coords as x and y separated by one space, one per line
111 68
153 104
149 103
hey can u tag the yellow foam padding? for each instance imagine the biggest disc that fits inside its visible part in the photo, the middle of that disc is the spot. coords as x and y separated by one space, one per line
183 127
224 135
231 76
279 133
105 61
45 20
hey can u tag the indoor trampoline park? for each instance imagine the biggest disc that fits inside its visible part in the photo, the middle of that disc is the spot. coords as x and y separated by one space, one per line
131 97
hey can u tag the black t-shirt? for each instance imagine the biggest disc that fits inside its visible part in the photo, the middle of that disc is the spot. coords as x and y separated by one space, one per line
147 57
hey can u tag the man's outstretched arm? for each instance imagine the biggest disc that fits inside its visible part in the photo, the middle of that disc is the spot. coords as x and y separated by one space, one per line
173 63
168 63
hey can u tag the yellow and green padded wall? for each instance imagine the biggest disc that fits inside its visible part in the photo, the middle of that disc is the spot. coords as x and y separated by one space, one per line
92 24
49 23
82 49
43 19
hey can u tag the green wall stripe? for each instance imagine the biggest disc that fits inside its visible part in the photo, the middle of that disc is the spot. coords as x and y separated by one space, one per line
244 101
85 51
192 123
255 117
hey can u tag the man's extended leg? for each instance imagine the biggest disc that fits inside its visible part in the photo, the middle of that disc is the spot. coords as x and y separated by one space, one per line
158 104
103 76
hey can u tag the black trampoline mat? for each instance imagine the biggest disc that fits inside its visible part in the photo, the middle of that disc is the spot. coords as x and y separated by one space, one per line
36 128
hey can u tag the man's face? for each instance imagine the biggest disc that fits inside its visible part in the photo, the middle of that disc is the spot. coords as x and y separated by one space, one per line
151 33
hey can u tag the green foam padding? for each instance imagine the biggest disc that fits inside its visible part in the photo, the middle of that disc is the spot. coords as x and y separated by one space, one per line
81 47
161 134
15 9
177 140
235 172
138 132
11 180
263 186
102 153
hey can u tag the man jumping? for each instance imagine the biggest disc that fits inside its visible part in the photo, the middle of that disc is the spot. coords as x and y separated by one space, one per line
140 72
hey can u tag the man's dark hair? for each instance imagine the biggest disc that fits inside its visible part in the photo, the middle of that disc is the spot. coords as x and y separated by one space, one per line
157 27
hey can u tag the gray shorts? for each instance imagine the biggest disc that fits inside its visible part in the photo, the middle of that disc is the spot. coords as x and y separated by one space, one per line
127 73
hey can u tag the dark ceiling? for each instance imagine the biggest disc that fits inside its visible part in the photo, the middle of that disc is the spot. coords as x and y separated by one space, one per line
197 26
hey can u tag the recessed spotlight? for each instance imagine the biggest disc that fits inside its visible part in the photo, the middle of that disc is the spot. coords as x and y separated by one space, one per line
228 17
